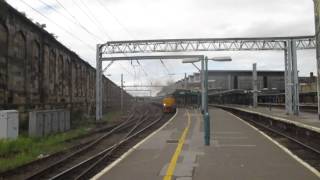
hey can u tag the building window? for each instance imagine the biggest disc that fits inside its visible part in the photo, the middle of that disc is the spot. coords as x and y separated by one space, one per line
17 70
265 82
52 72
60 75
235 82
35 67
74 79
3 60
19 46
78 79
67 77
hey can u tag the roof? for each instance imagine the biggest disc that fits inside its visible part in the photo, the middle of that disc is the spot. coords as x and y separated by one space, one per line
241 71
271 71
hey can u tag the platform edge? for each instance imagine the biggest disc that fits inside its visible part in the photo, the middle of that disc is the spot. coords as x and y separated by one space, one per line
299 124
116 162
299 160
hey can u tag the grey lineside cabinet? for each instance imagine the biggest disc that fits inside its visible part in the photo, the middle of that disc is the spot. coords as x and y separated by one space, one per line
46 122
9 124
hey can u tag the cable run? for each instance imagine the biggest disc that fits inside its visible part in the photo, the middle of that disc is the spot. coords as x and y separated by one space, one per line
116 19
164 65
68 32
122 26
76 21
92 20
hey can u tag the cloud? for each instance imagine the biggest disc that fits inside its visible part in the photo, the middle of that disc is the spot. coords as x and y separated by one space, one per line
48 8
152 19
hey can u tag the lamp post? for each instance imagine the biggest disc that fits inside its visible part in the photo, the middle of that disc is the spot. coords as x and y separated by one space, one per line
204 91
121 94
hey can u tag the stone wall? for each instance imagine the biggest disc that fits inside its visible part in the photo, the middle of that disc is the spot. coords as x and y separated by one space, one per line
39 73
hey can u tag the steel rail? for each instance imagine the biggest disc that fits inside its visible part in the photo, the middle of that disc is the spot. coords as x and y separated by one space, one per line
22 168
59 162
113 148
98 158
286 136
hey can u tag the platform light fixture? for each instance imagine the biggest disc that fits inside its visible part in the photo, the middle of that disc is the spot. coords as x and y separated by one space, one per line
185 59
191 60
204 87
221 59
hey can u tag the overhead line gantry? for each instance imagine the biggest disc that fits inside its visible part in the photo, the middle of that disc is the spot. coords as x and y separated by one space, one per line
289 45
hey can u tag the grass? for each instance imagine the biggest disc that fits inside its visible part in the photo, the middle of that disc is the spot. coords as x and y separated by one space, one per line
14 153
113 115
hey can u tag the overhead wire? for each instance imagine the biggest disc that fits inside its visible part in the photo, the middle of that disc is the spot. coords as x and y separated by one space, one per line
165 66
90 18
61 27
89 10
71 34
76 21
115 18
84 28
123 27
95 18
101 29
68 32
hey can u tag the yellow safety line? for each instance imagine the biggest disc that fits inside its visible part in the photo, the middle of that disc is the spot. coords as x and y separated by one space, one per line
176 154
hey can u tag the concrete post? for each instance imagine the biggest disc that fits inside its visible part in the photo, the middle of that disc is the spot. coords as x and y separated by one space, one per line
254 85
288 78
121 93
206 85
295 79
286 71
317 27
98 85
202 85
206 112
229 85
185 81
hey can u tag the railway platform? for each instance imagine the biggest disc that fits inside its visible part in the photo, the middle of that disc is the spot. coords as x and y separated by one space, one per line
237 151
306 118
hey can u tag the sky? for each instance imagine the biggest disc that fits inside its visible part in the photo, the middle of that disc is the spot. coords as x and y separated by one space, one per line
81 24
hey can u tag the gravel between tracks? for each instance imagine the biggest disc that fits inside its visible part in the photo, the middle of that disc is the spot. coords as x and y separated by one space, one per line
25 171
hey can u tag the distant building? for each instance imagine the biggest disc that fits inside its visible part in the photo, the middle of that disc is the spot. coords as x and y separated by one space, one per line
234 87
221 80
308 84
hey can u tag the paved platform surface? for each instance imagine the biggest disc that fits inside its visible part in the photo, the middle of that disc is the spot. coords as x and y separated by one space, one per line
304 117
237 152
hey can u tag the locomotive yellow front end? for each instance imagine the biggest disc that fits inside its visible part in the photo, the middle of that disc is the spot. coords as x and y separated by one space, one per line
169 105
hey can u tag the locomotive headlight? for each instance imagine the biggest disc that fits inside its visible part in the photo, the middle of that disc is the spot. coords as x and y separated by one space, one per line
164 105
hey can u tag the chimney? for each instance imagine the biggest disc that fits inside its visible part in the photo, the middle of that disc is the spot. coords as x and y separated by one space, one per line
312 78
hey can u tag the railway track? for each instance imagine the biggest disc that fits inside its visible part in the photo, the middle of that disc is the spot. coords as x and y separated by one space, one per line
303 143
311 108
86 161
303 150
86 168
23 171
102 139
